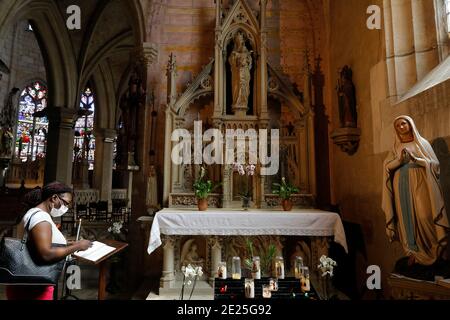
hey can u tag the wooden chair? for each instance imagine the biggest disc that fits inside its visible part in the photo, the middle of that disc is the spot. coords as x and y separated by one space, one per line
119 210
92 210
81 212
101 212
68 222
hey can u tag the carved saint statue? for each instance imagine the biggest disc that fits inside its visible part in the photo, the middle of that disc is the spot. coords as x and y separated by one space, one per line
6 142
8 116
130 105
7 123
189 254
152 190
412 196
347 99
241 64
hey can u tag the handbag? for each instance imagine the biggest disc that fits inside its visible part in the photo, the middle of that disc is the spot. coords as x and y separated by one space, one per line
20 266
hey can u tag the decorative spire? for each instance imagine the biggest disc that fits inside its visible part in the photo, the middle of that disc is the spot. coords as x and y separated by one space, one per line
306 65
172 80
318 62
172 64
307 81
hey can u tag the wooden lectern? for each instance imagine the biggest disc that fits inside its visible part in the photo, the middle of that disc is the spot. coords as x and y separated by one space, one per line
103 265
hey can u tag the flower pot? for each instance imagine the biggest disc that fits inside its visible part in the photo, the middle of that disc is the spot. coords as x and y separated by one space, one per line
287 204
202 204
245 203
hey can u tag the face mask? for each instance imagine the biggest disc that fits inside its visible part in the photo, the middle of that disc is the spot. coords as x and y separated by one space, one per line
55 213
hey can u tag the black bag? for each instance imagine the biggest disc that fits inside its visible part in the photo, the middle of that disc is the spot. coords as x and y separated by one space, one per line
19 266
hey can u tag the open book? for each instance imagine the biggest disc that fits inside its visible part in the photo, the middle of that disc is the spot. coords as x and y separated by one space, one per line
96 252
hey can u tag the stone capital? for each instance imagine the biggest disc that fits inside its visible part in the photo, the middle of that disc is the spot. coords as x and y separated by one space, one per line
108 135
63 117
147 54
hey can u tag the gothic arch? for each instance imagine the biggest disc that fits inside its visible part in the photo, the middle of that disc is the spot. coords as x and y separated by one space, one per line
251 35
53 39
105 96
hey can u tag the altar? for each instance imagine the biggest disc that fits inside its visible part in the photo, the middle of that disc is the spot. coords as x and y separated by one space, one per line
220 234
257 119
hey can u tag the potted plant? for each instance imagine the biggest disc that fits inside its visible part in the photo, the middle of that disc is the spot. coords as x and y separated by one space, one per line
249 171
202 189
284 190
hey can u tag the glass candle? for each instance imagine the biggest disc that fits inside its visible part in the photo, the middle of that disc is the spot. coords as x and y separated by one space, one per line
304 279
297 267
236 268
249 288
279 267
266 292
256 268
222 271
273 284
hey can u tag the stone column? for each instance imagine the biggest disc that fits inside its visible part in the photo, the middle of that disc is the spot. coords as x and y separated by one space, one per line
441 30
403 34
263 81
390 56
302 155
425 38
168 274
312 155
104 160
177 169
59 157
227 199
167 157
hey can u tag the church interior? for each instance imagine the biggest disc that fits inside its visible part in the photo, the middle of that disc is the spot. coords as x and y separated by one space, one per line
103 95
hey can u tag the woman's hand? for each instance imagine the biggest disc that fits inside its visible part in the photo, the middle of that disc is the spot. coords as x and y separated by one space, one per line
83 245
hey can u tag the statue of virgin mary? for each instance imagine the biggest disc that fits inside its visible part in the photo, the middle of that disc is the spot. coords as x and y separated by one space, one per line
412 196
241 64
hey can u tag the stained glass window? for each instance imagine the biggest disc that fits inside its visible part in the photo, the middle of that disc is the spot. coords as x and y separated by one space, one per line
84 145
32 132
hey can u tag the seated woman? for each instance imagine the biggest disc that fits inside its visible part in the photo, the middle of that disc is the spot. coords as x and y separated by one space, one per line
53 200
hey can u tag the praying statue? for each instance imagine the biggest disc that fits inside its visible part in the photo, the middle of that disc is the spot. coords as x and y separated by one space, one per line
241 64
412 197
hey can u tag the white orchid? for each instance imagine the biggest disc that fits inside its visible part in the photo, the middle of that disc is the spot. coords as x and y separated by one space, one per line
251 169
116 227
326 265
190 272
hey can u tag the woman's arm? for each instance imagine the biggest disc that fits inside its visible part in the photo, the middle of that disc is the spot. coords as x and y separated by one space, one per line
41 236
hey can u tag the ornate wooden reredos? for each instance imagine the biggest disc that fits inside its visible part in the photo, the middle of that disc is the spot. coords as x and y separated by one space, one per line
272 104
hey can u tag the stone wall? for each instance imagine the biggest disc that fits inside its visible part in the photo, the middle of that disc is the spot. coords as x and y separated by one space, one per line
357 179
21 53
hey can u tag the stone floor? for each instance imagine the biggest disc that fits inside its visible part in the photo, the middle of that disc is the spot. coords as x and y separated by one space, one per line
89 285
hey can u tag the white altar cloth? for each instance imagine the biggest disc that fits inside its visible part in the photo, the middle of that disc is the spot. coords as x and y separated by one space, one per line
229 222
